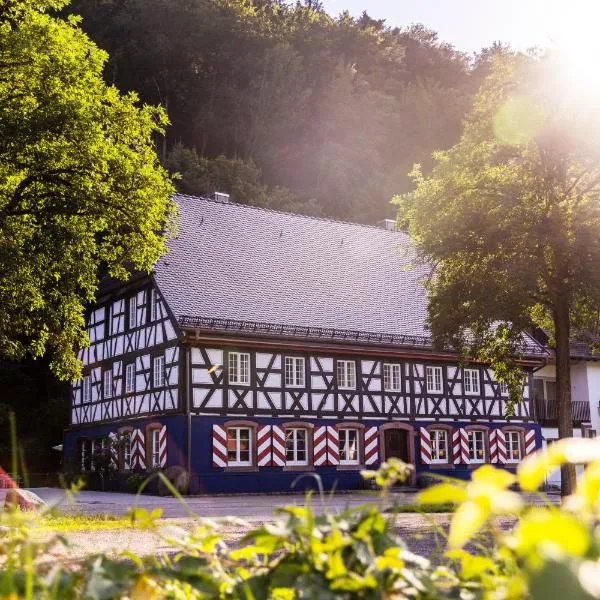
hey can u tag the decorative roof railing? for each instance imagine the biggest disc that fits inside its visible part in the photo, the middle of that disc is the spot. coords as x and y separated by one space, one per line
319 333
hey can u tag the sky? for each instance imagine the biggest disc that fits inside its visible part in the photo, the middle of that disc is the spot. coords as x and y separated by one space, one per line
473 24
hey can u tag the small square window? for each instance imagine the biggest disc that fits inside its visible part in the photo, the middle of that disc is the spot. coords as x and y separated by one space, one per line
391 378
349 450
471 381
239 446
159 371
130 378
108 384
294 371
346 374
296 450
433 378
239 368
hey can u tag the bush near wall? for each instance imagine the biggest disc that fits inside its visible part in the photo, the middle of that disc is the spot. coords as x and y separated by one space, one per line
553 552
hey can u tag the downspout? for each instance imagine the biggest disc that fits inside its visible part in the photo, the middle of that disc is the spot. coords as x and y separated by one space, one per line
189 409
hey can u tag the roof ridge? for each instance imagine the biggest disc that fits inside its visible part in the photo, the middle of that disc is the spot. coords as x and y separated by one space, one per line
283 212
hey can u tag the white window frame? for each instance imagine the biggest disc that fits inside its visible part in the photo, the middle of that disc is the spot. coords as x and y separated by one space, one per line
107 384
155 441
130 378
503 387
392 377
471 383
472 437
127 452
132 321
295 368
346 374
153 305
86 389
239 368
158 373
344 440
436 435
510 437
434 381
238 462
295 431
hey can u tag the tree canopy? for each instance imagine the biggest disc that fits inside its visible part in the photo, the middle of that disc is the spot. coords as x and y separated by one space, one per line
81 190
510 217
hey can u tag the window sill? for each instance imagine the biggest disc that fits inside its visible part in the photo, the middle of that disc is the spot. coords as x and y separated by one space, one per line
441 466
300 468
246 469
350 467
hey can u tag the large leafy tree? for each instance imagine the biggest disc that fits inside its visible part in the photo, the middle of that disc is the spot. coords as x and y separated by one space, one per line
510 217
81 190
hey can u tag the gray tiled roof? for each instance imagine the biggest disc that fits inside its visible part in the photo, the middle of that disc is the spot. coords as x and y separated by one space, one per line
231 261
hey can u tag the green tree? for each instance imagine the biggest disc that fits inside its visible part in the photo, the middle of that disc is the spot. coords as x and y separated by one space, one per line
510 218
81 190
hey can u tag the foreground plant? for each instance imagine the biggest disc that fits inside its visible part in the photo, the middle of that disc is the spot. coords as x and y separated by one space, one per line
541 552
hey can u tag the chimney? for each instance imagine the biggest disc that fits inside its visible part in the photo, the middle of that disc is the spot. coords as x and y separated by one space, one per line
220 197
387 224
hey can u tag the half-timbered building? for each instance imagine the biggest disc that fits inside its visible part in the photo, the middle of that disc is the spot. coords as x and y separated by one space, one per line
266 345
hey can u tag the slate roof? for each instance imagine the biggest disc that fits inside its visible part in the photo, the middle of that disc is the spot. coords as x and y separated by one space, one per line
275 271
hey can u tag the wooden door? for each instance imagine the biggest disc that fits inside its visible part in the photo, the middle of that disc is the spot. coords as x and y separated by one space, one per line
396 444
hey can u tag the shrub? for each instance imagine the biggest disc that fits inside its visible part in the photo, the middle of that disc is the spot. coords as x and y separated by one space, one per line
552 552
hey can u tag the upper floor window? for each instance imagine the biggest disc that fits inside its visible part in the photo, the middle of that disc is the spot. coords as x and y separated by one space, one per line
130 378
439 446
346 374
155 447
471 381
476 446
391 377
296 451
108 384
239 368
132 312
349 454
159 371
504 388
294 371
87 388
153 305
513 446
239 446
433 379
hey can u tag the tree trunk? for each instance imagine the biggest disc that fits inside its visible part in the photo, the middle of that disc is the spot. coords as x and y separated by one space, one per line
564 408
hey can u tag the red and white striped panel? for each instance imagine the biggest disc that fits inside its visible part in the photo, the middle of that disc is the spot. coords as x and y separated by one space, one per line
456 454
371 446
277 446
138 449
497 447
333 446
464 446
113 450
529 442
162 447
263 446
425 438
219 446
319 446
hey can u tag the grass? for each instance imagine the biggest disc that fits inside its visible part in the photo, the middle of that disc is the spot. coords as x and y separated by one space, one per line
73 523
447 507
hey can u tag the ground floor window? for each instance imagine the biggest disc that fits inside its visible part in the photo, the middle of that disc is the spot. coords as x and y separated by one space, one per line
94 454
349 450
239 446
513 446
439 446
155 445
476 446
296 446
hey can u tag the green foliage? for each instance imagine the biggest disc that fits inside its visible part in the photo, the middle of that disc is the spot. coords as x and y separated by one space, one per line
81 191
550 553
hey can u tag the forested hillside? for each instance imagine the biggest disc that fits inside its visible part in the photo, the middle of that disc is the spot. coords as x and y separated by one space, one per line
287 106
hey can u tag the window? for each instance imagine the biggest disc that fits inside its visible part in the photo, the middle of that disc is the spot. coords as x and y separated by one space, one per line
294 371
433 377
346 374
155 445
439 446
127 452
295 446
130 378
391 378
504 388
239 446
87 389
153 305
476 446
471 381
108 384
513 446
239 368
349 446
86 455
132 312
159 371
